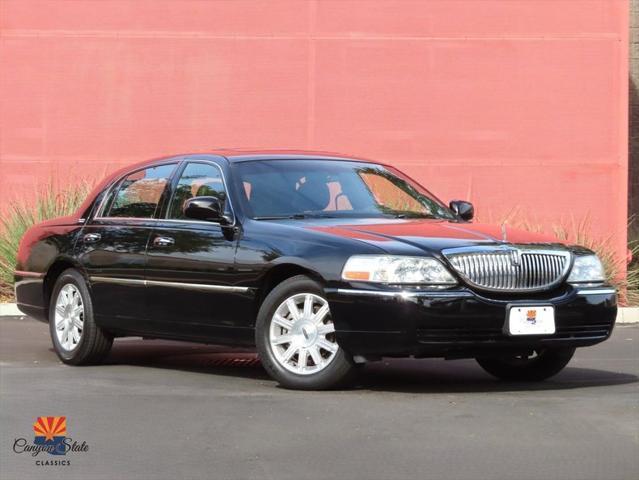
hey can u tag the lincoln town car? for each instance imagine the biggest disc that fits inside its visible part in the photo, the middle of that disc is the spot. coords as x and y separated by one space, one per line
320 262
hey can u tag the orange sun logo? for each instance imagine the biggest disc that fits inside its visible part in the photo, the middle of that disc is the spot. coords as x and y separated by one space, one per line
49 427
531 316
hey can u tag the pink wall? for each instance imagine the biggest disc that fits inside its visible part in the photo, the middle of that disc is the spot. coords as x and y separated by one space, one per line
506 103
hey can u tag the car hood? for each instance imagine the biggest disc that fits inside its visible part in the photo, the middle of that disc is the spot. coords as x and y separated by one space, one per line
404 235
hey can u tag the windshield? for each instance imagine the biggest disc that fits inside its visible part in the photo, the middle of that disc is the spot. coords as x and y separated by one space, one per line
319 188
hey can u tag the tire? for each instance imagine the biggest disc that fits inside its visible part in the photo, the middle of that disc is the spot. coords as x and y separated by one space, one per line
83 343
543 365
324 365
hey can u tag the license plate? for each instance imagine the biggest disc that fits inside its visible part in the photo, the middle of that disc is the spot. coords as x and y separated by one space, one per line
531 320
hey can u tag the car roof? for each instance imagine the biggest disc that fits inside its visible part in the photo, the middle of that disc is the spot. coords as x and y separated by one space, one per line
247 155
230 154
240 155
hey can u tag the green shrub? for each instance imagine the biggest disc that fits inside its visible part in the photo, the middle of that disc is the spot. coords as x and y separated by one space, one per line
18 215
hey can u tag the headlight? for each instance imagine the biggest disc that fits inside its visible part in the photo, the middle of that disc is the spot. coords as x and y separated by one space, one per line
587 268
391 269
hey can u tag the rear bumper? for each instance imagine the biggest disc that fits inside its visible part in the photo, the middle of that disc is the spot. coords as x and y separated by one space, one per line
29 292
462 323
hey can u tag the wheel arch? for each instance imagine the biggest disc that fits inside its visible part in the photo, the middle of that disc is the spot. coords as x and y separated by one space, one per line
56 268
280 272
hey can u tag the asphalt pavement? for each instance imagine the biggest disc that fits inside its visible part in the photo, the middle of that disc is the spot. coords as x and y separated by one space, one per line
169 410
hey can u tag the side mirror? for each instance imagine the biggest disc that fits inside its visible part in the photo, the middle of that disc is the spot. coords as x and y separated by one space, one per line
209 209
463 210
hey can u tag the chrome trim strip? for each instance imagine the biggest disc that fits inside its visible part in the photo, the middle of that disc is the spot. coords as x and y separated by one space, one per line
154 221
24 273
403 293
551 249
157 283
596 291
118 281
201 222
197 286
139 219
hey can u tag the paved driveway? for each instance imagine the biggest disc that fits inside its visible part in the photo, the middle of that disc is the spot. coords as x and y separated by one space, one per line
179 411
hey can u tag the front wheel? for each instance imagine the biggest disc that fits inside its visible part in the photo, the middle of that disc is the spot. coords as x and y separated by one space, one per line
295 337
537 366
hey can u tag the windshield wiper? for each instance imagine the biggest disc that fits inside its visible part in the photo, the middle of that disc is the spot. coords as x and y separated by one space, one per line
274 217
295 216
409 214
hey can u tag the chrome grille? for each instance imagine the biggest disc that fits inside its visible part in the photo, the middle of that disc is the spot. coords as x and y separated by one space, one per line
510 268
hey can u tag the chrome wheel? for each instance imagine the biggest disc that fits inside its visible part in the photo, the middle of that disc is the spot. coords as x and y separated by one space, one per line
69 317
302 334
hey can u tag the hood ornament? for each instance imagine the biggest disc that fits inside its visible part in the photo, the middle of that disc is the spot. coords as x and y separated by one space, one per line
503 232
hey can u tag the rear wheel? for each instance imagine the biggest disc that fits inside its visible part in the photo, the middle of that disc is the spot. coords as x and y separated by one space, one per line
77 340
295 337
536 366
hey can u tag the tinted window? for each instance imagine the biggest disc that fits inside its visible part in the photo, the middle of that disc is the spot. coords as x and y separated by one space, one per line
197 180
139 194
283 188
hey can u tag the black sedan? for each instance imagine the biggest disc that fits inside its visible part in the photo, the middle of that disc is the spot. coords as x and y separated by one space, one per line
321 262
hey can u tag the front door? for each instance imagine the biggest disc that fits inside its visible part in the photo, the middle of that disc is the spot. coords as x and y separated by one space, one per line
112 248
190 268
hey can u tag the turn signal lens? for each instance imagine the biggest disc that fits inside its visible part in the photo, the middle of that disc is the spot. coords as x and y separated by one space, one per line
397 270
353 275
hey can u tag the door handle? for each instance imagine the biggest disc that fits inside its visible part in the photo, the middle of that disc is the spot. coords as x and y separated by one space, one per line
91 237
163 241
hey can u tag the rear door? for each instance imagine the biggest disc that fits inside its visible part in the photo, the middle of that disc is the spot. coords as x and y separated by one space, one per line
112 246
191 277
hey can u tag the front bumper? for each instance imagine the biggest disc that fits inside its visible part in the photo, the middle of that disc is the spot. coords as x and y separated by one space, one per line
461 322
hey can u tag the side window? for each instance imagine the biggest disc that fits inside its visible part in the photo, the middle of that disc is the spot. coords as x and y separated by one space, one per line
139 194
197 180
